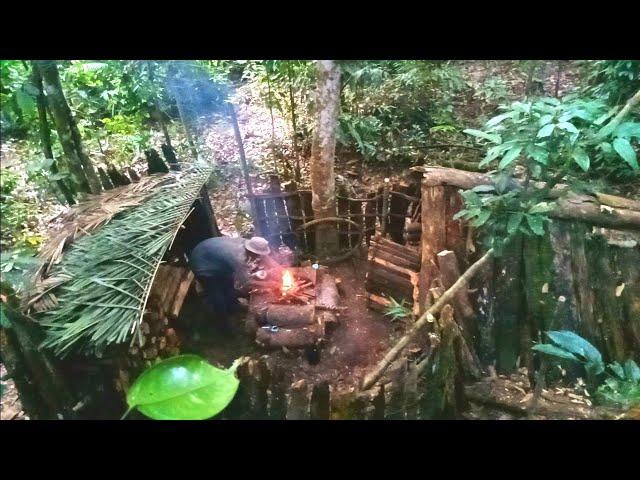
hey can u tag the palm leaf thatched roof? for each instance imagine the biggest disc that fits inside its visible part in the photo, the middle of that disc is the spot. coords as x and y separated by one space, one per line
97 290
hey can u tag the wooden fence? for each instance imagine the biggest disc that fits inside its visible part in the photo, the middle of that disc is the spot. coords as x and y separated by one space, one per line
280 212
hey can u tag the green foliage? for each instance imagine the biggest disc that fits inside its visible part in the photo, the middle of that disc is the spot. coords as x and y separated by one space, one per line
398 311
551 135
503 212
617 384
391 108
615 81
492 90
16 212
16 97
185 387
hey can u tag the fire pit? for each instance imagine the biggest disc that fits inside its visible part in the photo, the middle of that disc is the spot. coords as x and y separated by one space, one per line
296 311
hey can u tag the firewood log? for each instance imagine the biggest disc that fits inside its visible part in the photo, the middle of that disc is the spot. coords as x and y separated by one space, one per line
288 315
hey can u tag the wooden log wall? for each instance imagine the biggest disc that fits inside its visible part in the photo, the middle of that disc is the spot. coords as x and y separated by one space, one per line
266 391
579 276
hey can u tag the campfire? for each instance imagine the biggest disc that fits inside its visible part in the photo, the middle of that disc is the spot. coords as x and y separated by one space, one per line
291 310
294 290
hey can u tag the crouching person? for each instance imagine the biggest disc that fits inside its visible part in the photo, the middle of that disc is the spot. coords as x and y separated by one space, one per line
223 266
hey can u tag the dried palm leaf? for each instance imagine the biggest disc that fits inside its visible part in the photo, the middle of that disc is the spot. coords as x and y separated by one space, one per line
102 284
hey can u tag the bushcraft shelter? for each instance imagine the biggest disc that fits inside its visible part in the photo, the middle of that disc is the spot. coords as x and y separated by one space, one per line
110 277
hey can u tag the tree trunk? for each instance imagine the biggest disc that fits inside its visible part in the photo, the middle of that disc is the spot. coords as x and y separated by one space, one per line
45 133
80 166
323 153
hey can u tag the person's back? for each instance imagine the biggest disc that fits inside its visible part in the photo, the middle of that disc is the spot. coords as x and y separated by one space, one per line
218 256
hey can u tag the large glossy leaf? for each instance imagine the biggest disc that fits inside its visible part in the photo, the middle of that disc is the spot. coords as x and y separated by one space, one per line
575 344
185 387
625 150
554 351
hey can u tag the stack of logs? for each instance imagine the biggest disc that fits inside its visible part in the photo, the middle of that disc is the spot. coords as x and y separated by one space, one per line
393 272
159 339
293 325
169 290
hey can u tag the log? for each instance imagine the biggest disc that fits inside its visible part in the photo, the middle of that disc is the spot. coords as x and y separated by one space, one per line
170 156
288 316
133 175
378 303
369 218
328 298
582 208
291 338
381 280
443 382
298 401
404 260
295 210
448 266
154 162
181 293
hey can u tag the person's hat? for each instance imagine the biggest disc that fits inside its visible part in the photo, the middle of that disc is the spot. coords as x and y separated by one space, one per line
257 245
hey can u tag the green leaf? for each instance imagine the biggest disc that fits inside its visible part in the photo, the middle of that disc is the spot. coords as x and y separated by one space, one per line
185 387
575 344
627 130
481 219
545 119
546 130
632 371
625 150
581 158
536 224
617 369
499 118
514 222
554 351
569 127
509 157
541 207
492 137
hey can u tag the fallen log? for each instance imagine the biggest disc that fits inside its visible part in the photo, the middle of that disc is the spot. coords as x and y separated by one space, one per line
602 209
288 315
291 338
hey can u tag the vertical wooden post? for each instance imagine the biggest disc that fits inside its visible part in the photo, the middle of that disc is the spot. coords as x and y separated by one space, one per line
433 237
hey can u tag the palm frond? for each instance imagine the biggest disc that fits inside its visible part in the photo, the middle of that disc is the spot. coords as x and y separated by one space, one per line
103 281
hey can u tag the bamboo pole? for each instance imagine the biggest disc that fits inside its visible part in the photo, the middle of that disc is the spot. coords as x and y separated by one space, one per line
427 317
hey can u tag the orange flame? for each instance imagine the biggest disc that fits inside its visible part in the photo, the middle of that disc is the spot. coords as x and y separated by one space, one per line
287 280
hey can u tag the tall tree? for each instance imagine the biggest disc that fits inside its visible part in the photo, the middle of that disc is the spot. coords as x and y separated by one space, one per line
323 151
45 133
80 166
